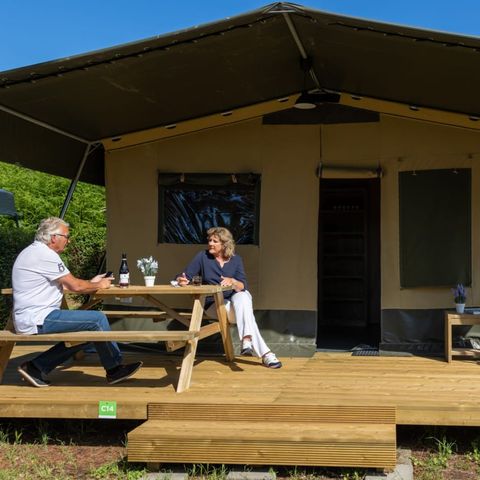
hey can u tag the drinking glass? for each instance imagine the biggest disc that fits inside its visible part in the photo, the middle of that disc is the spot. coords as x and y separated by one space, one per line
196 280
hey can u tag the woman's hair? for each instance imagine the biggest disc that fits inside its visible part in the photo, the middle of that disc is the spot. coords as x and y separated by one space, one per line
225 237
48 226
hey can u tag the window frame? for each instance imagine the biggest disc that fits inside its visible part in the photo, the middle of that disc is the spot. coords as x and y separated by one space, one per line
207 181
435 227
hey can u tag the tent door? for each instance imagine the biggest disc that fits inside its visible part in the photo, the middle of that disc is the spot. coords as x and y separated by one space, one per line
349 263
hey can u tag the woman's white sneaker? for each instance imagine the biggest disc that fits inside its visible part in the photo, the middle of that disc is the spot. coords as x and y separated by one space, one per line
247 348
270 360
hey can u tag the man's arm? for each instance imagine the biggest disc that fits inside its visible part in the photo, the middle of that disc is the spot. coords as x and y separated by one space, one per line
77 285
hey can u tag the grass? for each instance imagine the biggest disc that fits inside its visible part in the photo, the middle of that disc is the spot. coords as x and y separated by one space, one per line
118 470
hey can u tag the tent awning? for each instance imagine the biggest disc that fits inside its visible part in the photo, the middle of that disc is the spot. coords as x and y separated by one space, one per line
229 64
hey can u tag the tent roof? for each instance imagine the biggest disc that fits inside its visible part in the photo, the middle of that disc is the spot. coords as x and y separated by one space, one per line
226 65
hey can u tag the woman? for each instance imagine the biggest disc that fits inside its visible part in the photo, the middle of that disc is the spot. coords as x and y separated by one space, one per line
219 265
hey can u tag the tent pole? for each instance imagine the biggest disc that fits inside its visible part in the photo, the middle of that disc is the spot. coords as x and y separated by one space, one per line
300 47
42 124
73 183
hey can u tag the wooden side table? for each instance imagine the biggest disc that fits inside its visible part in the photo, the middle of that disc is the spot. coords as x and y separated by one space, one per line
451 319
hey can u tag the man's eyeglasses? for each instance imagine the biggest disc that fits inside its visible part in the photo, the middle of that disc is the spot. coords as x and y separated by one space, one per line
62 235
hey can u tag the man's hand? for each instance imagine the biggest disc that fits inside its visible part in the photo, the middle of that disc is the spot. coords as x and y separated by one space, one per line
78 285
98 278
182 280
102 282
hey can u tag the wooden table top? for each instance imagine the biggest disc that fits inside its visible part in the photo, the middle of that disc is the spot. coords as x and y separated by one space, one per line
160 290
155 290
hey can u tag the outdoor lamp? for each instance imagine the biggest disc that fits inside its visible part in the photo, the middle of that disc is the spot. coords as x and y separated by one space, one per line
307 101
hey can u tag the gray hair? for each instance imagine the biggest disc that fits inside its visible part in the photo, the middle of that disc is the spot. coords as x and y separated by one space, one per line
49 226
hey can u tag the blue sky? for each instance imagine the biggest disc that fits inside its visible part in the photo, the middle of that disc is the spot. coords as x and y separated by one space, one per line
35 31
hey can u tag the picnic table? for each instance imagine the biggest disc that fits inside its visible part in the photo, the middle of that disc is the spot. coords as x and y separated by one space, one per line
175 338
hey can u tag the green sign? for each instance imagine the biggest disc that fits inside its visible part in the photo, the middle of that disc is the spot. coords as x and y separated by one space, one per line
107 409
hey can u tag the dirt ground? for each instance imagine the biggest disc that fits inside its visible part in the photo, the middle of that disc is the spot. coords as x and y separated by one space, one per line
96 449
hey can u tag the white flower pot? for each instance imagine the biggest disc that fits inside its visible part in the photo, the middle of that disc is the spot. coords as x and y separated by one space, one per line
460 307
149 280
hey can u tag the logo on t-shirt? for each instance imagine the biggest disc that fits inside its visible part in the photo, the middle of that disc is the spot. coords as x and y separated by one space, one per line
61 267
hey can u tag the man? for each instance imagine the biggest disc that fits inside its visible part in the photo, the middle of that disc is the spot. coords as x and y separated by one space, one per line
39 277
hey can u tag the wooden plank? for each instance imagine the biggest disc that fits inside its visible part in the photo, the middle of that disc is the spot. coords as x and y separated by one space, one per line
134 290
58 408
448 338
274 413
170 311
278 443
282 431
205 331
425 391
6 349
191 347
224 326
134 314
118 335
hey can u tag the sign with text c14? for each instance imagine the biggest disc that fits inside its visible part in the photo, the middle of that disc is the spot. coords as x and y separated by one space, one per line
107 409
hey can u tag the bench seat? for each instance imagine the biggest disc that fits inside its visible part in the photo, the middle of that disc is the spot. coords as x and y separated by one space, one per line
8 339
120 336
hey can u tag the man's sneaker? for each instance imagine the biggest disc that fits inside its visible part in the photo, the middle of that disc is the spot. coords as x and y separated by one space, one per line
247 348
271 361
122 372
32 375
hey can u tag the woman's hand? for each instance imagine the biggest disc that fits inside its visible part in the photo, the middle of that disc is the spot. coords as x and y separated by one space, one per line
231 282
182 280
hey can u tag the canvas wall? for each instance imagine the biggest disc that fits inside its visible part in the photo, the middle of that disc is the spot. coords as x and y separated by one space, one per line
282 270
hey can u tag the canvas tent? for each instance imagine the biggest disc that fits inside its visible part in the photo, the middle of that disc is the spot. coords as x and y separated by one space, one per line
162 101
227 65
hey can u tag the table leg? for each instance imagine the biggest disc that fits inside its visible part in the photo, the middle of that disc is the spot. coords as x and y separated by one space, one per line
191 346
6 349
224 326
448 338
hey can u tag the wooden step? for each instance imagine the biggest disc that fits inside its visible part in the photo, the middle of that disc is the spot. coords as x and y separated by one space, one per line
272 413
309 435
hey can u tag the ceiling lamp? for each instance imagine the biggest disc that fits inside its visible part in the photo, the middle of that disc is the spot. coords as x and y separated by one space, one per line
307 101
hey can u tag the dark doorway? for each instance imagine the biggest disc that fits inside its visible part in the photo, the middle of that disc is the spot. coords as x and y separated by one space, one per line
349 264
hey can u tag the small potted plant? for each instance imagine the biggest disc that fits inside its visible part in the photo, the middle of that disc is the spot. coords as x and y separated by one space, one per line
460 297
149 267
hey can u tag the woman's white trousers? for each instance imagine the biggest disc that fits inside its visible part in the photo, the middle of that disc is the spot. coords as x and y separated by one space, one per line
242 315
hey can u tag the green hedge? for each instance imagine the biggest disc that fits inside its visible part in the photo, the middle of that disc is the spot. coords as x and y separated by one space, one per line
83 256
12 240
37 196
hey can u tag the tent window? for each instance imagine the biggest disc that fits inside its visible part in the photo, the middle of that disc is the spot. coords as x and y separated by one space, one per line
190 204
435 227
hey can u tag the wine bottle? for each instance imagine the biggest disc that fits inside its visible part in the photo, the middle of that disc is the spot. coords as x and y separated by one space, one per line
124 273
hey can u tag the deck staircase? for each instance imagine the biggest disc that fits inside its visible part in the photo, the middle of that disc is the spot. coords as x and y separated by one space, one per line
306 435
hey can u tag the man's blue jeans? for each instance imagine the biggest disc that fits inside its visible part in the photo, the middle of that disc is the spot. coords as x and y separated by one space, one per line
59 321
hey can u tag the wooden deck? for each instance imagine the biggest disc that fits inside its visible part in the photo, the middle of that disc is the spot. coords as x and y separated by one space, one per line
425 391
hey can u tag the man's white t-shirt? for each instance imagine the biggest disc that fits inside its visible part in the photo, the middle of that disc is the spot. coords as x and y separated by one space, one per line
35 290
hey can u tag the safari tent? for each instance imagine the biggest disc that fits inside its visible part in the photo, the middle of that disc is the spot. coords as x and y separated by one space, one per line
354 217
